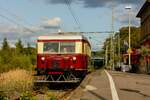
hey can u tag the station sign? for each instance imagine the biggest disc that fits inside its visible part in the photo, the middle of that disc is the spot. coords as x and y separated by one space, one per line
129 51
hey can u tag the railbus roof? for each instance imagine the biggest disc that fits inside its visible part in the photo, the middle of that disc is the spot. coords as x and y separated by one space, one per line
63 36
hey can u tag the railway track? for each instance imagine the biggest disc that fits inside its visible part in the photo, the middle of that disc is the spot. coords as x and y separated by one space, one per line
62 91
57 91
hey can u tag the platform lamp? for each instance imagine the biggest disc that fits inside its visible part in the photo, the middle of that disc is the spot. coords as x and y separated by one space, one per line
129 24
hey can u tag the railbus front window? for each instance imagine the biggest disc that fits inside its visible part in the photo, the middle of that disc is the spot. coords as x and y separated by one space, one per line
67 47
51 47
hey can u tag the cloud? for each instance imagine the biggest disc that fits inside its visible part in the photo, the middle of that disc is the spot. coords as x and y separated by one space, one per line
46 23
58 1
29 33
95 3
11 29
53 23
123 19
4 28
121 15
50 27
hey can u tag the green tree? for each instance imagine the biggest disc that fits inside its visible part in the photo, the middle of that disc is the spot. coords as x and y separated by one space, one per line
145 51
29 49
5 55
31 53
19 47
5 45
122 36
135 36
19 57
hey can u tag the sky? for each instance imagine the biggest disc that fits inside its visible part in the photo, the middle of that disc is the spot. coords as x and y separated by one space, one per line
28 19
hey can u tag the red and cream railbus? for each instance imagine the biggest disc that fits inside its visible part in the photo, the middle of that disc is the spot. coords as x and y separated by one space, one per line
62 57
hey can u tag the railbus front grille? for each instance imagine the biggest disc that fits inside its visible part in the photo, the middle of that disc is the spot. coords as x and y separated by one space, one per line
55 64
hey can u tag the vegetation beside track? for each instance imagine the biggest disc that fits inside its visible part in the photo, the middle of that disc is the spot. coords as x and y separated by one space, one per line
20 56
18 85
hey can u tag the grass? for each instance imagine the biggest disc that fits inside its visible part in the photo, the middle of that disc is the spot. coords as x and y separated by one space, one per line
18 84
15 82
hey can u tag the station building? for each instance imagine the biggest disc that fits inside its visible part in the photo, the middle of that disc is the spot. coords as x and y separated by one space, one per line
144 15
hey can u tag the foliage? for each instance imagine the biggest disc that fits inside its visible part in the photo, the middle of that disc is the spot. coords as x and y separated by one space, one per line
121 37
15 80
145 51
98 53
5 45
135 36
53 98
18 57
3 96
27 95
91 68
22 62
19 47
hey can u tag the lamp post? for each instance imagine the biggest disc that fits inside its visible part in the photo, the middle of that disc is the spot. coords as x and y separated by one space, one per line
119 48
129 23
106 55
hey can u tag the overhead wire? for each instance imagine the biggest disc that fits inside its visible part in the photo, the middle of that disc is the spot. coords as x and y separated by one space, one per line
12 14
68 2
14 22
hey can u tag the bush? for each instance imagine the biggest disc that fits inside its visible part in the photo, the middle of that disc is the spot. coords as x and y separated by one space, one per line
22 62
27 96
18 57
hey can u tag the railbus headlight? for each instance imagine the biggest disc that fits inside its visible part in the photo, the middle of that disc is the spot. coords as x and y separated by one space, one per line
42 58
74 58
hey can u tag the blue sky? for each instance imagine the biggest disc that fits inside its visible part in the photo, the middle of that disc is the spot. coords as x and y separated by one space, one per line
27 19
